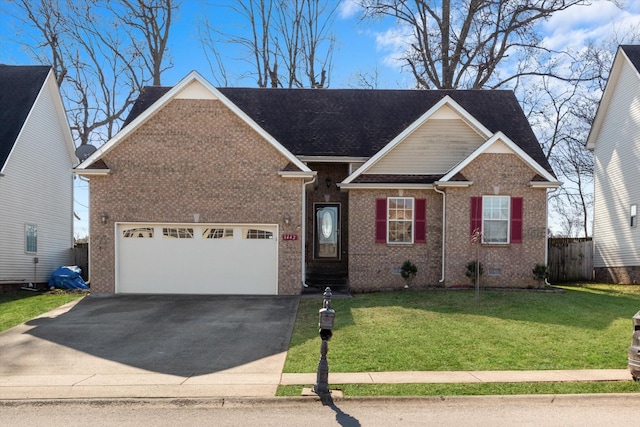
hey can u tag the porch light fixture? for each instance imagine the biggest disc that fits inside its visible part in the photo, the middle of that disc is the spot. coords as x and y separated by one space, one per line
104 217
328 181
287 219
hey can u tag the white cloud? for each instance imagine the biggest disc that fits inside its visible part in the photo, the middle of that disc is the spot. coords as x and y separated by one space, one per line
393 41
348 8
577 26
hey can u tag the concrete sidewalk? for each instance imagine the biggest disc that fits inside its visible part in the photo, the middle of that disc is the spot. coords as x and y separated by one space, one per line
240 382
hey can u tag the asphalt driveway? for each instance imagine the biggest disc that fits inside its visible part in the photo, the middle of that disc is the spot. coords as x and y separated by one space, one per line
183 336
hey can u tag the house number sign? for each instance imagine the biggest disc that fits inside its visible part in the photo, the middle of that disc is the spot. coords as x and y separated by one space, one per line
289 237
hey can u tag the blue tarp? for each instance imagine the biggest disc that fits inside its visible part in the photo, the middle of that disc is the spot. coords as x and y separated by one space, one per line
67 277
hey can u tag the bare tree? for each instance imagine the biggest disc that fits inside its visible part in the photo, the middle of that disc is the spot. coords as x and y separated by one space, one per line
463 43
290 42
148 24
98 67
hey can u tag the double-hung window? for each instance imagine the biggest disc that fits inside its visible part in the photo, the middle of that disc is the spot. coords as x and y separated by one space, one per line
401 220
497 218
633 215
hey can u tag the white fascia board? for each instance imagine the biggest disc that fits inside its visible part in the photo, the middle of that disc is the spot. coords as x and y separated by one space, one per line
297 174
447 100
499 136
193 76
607 94
543 184
50 81
332 159
91 172
384 186
451 184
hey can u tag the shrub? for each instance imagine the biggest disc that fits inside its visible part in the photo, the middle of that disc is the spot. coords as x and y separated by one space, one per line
472 271
540 273
408 271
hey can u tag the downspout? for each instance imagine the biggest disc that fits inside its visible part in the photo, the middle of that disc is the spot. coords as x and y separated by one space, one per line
546 236
444 223
303 229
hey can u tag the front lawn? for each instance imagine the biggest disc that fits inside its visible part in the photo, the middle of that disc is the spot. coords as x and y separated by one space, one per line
584 327
17 308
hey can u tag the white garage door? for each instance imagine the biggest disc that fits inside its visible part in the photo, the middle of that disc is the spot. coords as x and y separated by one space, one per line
197 259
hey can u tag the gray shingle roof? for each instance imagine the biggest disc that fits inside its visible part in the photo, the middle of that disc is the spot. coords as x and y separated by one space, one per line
19 87
358 123
633 52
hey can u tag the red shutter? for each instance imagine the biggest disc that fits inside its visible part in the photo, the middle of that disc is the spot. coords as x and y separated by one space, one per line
421 221
381 220
516 220
476 215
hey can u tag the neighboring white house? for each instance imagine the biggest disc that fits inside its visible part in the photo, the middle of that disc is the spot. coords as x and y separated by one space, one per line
36 184
615 142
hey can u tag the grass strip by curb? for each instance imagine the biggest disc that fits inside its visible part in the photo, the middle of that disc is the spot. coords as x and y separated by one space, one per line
483 389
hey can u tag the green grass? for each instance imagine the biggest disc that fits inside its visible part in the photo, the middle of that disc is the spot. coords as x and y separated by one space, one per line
584 327
475 389
19 307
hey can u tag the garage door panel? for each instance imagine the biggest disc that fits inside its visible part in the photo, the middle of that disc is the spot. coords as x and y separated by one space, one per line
209 262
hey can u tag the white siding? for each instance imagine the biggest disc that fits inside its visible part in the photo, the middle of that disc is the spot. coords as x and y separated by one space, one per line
37 189
433 148
617 176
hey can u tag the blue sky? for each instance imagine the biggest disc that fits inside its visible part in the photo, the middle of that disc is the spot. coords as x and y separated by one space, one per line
360 48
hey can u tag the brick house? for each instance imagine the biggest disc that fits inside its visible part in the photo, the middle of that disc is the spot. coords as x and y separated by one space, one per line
265 191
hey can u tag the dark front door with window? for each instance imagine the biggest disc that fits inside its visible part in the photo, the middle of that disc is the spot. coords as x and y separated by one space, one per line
327 232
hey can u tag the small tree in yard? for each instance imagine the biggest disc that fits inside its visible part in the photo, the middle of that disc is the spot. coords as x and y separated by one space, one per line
408 271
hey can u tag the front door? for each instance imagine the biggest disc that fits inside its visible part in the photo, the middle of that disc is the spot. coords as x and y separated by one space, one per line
326 234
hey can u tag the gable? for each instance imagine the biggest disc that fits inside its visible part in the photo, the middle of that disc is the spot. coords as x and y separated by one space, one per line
19 89
192 87
433 148
617 99
500 144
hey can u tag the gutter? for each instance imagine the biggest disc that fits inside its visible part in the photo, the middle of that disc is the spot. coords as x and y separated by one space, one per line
303 228
444 227
546 236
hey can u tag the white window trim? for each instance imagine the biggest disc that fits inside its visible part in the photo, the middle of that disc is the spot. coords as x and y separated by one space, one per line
413 219
484 205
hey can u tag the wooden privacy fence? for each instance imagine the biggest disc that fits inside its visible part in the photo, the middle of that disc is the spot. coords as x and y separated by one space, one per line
570 259
80 257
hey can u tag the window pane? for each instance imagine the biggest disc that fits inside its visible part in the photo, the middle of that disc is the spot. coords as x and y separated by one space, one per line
495 232
177 233
31 238
138 233
253 233
218 233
